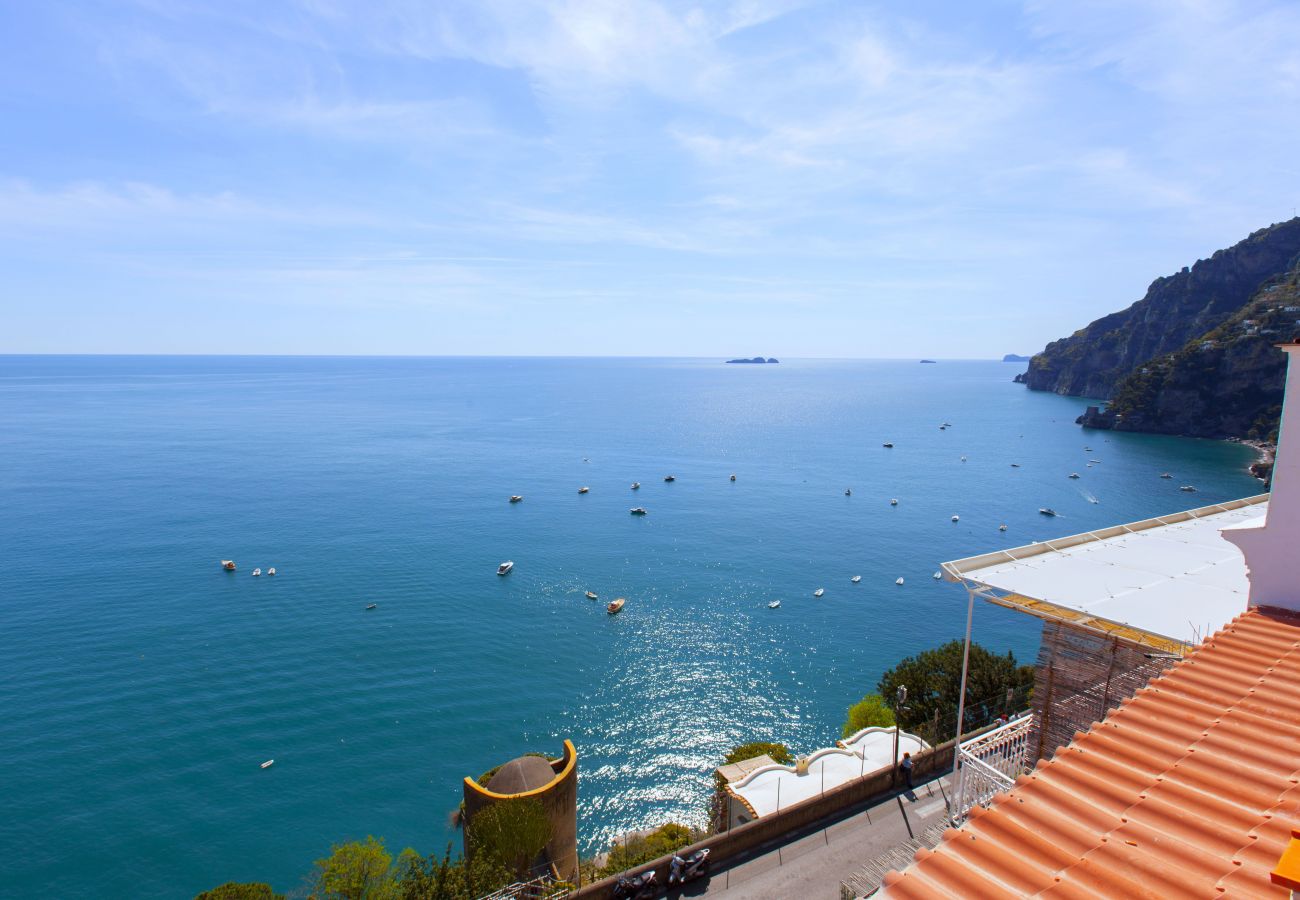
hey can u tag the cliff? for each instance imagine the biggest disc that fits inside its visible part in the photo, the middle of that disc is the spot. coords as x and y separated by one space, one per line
1177 309
1226 382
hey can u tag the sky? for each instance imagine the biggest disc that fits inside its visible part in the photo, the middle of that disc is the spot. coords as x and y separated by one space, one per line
776 177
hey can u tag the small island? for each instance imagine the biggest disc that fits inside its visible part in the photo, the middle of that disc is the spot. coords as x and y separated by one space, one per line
1015 357
756 359
932 362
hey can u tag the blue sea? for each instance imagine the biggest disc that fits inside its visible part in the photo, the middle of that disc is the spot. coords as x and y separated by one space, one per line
141 686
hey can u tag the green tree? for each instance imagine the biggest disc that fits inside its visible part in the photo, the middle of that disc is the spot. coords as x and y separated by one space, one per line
357 870
440 878
247 890
933 680
512 831
867 712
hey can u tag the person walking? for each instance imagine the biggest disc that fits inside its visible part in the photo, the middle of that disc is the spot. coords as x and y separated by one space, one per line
906 766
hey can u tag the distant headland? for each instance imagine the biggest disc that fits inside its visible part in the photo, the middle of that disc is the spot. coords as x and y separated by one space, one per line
927 360
756 359
1015 357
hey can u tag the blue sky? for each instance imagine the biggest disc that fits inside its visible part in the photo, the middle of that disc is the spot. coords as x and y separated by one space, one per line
624 178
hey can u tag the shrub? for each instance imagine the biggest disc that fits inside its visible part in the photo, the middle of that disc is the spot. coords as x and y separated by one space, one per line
867 712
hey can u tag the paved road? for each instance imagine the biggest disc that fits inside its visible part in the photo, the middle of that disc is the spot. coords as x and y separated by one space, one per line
812 865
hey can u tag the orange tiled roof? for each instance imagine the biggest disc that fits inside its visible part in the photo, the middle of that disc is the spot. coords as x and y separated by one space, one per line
1189 789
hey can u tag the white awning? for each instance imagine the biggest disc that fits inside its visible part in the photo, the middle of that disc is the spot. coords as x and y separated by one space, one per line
1171 577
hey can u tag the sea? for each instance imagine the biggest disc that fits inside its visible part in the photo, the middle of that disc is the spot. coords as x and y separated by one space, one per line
142 686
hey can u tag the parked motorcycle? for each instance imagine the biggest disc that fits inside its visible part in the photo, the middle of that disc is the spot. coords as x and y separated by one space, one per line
639 887
688 868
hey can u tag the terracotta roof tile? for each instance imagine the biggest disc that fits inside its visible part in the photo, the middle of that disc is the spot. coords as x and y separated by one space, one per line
1189 788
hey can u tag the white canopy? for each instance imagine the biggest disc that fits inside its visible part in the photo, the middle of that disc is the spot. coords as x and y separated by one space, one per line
1172 577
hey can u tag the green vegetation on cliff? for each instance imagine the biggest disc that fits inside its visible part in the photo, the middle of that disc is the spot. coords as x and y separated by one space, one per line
1195 356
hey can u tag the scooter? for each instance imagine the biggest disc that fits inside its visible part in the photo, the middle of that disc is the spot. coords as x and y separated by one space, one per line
639 887
684 869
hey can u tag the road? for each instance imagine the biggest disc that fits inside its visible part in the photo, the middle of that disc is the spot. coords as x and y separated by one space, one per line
812 864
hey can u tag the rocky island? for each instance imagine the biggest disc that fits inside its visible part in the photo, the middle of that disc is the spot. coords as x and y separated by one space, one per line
1016 357
756 359
1197 355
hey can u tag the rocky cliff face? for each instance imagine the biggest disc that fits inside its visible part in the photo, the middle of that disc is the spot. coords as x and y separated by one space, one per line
1225 383
1177 309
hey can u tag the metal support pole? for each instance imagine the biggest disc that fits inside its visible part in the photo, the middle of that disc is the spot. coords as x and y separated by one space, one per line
957 772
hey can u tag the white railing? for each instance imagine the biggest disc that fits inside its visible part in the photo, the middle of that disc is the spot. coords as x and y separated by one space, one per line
537 889
990 764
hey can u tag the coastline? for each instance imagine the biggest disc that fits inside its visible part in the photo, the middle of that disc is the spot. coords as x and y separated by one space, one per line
1265 451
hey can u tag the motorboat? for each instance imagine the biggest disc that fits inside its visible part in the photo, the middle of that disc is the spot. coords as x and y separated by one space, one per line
271 571
956 518
1015 465
775 604
1087 449
228 565
898 580
268 764
855 579
1002 528
670 478
372 606
638 510
1095 462
515 498
636 485
591 595
888 444
848 492
584 489
938 576
1047 510
943 427
1074 474
733 477
963 459
947 424
615 606
505 567
1166 475
1188 488
893 502
819 592
257 572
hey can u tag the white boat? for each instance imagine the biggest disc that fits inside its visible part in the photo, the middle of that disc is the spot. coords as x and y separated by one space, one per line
584 489
819 592
775 604
963 459
1188 488
893 502
228 565
591 595
848 493
615 606
855 579
257 572
956 518
938 576
515 498
372 606
638 510
898 581
1074 474
505 567
268 764
271 571
636 485
1094 462
1047 510
1002 528
1166 475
